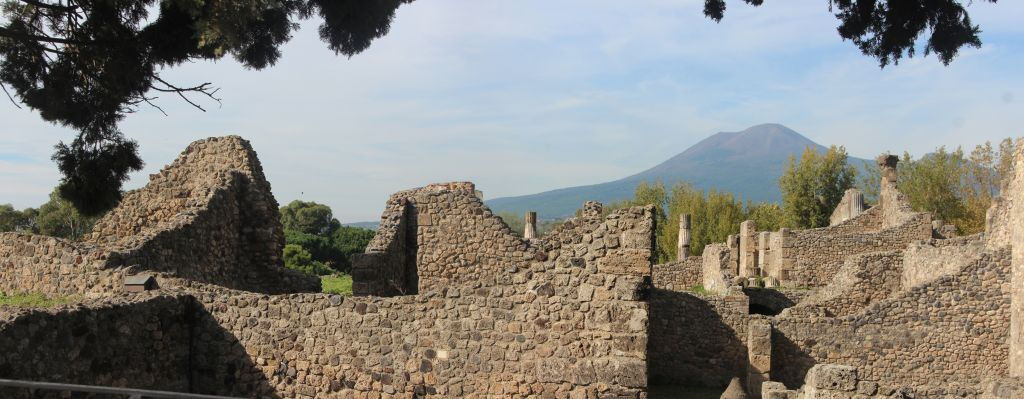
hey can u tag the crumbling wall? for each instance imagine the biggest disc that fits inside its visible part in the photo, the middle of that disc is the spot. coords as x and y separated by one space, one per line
135 342
926 260
421 226
717 267
941 332
679 275
697 340
388 266
813 257
862 281
1003 229
567 319
53 266
207 217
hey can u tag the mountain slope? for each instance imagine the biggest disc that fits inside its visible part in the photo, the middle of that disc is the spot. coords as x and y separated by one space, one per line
746 163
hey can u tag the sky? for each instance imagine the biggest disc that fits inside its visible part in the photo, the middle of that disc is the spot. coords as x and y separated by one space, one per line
529 95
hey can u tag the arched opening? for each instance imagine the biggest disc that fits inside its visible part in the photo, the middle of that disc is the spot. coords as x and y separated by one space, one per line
755 308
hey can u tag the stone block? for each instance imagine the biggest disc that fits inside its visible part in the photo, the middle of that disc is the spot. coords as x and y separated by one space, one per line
832 377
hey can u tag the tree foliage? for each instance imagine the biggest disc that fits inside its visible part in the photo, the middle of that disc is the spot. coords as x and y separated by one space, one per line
813 185
56 218
952 185
312 227
889 29
714 215
309 218
86 64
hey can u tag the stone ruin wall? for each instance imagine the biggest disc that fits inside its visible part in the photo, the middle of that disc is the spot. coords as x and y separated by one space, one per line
208 217
417 249
54 266
697 340
937 334
811 258
718 267
139 341
680 275
568 319
1003 228
863 280
926 260
561 316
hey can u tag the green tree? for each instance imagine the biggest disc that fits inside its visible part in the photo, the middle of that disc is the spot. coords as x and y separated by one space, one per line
312 227
888 29
814 185
347 241
59 218
767 216
12 219
934 183
86 64
298 258
309 218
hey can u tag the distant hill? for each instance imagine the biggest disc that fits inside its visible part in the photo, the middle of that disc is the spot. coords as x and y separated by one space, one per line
746 163
365 225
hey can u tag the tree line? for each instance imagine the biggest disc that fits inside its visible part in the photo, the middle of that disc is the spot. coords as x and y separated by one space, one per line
316 242
954 186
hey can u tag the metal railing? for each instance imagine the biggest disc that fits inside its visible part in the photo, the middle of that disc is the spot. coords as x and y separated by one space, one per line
131 393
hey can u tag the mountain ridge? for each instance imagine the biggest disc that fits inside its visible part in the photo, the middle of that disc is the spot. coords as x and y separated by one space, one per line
746 163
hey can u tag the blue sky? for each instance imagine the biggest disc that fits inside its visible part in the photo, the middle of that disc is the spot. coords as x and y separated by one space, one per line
527 96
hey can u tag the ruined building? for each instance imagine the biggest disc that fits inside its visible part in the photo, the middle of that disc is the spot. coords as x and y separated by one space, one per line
449 302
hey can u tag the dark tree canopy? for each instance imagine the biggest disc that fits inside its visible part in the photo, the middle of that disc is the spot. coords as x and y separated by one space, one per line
85 64
888 29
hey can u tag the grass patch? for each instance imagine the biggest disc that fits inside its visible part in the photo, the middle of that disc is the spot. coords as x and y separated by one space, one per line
699 290
336 284
678 392
30 300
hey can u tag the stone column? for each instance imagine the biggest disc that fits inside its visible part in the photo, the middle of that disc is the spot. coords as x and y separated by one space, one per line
759 354
733 243
748 249
887 164
856 203
762 252
683 246
530 227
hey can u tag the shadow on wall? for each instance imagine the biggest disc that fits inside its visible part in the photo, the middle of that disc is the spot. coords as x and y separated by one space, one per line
690 344
220 364
790 363
165 343
766 301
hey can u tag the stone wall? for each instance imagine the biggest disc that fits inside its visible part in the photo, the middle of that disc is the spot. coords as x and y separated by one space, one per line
436 217
938 333
697 340
679 275
926 260
717 267
567 320
42 264
136 342
813 257
207 217
1003 229
862 281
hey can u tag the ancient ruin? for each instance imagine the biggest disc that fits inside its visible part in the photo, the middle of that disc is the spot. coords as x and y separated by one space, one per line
184 290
